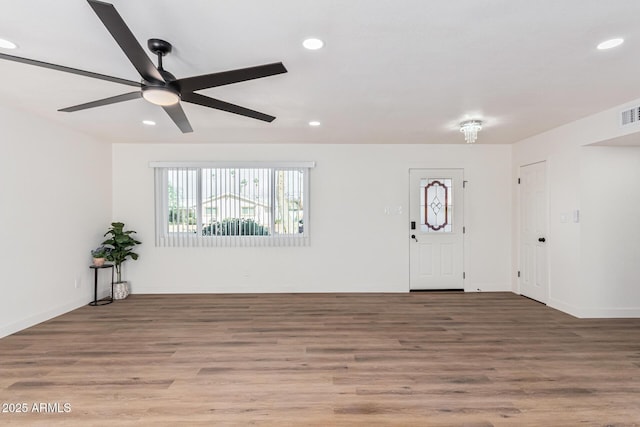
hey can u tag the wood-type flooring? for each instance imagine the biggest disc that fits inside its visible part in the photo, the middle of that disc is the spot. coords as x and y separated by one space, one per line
423 359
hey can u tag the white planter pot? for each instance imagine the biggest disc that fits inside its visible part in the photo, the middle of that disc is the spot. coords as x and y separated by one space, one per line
121 290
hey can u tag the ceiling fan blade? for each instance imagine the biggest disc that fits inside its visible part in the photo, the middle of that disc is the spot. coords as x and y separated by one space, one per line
205 101
126 40
106 101
69 70
190 84
176 113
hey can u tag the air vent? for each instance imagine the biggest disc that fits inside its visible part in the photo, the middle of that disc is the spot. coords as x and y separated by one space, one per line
630 116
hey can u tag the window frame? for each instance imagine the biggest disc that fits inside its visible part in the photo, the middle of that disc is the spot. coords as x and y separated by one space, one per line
164 237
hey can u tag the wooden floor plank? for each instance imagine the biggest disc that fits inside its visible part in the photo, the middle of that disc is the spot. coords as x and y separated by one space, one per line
436 359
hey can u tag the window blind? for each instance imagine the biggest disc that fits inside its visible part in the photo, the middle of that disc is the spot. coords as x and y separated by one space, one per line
201 204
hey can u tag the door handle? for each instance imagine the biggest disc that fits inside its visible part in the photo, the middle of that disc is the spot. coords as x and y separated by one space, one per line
413 236
542 239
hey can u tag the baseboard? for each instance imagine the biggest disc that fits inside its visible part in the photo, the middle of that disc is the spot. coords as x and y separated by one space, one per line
221 288
594 313
33 320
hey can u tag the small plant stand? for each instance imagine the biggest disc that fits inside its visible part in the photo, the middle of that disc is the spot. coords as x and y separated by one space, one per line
103 301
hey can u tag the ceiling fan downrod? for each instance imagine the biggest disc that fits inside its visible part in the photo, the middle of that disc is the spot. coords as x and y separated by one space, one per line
160 48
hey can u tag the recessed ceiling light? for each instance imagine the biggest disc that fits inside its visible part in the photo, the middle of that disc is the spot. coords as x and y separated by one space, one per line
313 44
314 123
6 44
609 44
149 122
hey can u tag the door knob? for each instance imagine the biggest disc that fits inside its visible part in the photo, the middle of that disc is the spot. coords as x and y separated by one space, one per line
413 236
542 239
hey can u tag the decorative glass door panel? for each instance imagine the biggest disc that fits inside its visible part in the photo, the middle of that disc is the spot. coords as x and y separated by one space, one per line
436 205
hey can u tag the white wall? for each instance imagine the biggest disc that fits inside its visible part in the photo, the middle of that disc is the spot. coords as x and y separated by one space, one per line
55 204
572 286
354 246
610 184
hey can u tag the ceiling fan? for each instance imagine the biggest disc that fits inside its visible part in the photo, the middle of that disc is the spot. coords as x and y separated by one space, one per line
159 86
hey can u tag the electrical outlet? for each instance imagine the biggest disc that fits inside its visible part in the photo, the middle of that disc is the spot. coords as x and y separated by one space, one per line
76 283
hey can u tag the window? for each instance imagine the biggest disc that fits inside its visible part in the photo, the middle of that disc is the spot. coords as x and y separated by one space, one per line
436 205
232 204
248 211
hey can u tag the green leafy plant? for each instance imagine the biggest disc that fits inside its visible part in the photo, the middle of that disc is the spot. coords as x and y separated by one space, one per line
121 243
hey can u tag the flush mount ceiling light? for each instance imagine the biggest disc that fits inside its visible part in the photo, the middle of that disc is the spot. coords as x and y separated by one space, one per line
313 44
470 129
610 44
6 44
314 123
149 122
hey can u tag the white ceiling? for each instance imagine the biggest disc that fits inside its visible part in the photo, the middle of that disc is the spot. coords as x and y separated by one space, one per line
403 71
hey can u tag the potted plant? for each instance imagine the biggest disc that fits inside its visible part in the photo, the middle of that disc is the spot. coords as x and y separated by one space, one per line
121 243
100 255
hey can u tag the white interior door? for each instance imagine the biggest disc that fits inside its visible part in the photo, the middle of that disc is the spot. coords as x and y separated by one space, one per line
436 229
534 282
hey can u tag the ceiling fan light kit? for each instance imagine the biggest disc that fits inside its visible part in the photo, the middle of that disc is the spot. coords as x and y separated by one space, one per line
158 86
161 96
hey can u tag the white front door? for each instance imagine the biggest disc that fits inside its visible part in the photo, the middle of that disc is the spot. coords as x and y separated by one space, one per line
436 229
534 281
